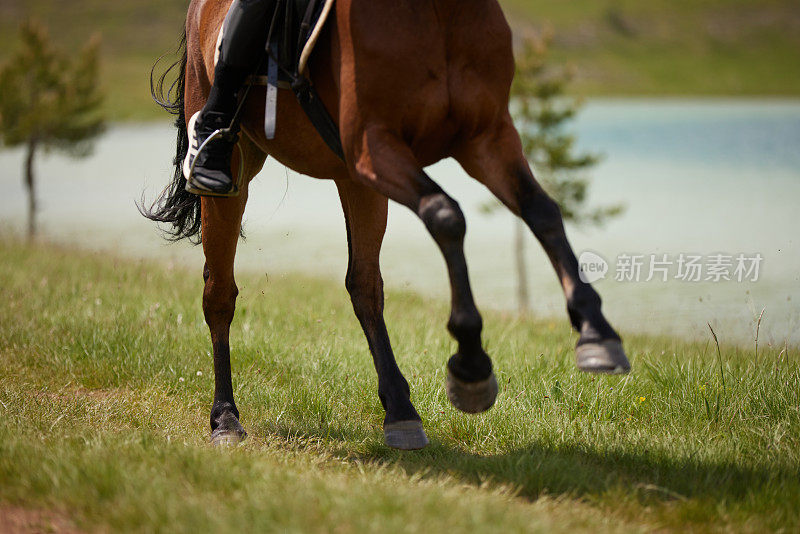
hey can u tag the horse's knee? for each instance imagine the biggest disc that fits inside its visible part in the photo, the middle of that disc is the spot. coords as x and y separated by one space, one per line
219 301
443 218
366 291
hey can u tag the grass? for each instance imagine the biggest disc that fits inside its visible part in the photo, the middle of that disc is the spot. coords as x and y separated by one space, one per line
105 385
624 47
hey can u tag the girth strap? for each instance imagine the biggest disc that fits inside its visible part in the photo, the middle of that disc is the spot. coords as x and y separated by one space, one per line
318 115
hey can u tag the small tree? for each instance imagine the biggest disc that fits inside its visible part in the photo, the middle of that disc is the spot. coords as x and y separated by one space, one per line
49 101
540 110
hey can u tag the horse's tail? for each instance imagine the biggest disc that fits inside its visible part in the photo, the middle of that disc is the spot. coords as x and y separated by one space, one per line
174 206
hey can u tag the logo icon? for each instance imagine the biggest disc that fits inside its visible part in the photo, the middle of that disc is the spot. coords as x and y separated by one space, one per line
592 267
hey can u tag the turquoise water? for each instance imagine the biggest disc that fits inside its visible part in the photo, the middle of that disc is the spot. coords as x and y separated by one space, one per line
696 177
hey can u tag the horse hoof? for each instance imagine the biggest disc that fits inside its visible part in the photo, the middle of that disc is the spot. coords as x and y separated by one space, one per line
471 397
229 432
405 435
226 439
604 357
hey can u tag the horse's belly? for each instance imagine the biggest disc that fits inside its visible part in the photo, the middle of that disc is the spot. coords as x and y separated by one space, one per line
296 144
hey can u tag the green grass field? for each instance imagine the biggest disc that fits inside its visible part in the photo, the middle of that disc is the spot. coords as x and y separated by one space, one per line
672 47
105 387
620 47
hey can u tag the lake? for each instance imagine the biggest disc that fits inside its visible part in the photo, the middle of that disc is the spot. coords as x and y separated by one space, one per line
713 179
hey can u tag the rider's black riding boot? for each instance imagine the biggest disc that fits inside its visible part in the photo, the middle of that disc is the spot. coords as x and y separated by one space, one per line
208 171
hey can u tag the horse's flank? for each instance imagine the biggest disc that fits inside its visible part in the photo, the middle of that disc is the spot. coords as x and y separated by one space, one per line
401 76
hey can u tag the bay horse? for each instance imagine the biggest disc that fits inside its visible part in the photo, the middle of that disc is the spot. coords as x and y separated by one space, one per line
408 82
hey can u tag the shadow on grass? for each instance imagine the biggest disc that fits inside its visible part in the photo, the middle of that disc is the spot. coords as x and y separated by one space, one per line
575 470
581 470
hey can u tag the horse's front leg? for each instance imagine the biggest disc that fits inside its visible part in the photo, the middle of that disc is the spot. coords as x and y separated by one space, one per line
221 220
384 162
365 215
221 223
496 160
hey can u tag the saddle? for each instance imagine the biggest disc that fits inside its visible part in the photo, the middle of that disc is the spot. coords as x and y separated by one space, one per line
294 30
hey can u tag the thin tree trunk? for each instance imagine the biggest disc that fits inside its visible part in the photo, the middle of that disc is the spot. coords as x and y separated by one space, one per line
523 300
30 185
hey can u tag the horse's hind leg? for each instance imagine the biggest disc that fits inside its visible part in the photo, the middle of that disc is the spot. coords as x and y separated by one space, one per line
387 164
496 160
221 222
365 215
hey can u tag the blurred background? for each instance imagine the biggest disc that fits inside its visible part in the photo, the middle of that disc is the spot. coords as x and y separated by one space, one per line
691 109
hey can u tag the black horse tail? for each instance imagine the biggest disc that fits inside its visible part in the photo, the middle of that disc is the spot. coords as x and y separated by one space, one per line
177 208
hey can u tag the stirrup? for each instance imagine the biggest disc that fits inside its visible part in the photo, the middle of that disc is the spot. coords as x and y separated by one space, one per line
188 168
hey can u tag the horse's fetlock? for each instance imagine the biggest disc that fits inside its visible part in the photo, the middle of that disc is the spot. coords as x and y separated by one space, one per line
464 324
219 409
584 297
404 385
470 367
